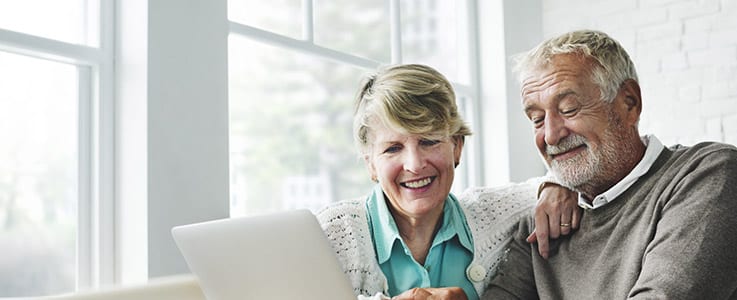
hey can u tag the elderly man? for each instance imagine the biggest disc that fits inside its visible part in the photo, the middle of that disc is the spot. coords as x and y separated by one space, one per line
658 223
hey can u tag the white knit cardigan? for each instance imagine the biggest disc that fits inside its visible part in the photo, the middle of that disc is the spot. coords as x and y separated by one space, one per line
492 215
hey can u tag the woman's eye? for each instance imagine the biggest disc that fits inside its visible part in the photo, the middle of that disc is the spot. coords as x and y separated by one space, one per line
392 149
429 142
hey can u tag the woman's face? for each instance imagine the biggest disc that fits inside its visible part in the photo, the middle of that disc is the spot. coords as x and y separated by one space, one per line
415 172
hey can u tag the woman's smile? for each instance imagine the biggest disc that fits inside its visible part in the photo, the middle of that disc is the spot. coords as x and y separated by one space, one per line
416 184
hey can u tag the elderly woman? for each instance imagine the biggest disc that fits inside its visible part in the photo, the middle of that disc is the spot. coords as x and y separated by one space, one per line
411 238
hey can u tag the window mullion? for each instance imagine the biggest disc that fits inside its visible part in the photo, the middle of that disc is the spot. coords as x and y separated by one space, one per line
45 48
308 21
476 173
85 209
395 27
103 100
300 46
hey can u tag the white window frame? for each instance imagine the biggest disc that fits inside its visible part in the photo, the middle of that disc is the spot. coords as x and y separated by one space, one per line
474 171
95 223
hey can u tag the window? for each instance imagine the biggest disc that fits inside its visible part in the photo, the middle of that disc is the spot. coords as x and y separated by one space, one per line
290 134
292 79
53 79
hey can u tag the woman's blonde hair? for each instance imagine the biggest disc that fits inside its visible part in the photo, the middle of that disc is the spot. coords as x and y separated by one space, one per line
411 99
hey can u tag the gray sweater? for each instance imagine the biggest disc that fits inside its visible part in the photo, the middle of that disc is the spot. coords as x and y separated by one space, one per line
671 235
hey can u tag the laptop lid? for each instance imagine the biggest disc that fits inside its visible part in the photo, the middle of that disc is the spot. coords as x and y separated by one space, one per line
284 255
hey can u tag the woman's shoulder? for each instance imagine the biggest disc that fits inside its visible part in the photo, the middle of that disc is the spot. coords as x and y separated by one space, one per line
345 224
522 193
489 208
343 212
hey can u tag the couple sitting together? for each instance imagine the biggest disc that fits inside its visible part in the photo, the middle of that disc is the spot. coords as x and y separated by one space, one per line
626 216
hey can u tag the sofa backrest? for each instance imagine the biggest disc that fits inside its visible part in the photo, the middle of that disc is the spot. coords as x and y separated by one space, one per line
180 287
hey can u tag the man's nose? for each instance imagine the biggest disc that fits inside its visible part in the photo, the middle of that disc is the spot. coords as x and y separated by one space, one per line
555 129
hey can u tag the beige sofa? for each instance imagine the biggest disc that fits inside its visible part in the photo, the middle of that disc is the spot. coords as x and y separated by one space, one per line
180 287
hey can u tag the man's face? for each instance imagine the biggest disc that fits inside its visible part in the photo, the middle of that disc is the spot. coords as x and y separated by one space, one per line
579 136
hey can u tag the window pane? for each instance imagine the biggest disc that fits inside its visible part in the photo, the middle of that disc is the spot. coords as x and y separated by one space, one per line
358 27
463 175
432 35
38 176
279 16
72 21
291 144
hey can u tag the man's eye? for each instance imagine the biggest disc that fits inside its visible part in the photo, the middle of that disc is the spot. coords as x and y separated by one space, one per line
537 121
569 111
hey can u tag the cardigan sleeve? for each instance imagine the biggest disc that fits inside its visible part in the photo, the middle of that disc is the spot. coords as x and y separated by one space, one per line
346 227
493 214
515 278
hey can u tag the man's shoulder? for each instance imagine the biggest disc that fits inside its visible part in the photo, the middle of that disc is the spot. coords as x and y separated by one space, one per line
706 148
710 161
704 151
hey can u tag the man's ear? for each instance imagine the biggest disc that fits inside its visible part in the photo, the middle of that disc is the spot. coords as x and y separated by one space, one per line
632 100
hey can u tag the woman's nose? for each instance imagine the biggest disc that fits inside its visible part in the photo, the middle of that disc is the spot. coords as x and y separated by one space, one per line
414 160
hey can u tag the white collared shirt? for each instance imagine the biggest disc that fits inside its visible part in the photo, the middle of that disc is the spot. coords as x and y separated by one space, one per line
654 147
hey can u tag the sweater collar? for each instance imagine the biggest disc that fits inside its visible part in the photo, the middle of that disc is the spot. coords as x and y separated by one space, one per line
653 150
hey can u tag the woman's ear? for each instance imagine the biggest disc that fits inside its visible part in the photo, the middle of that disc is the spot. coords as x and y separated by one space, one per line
458 148
370 167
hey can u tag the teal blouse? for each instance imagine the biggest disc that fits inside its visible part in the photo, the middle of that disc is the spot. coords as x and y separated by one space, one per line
445 266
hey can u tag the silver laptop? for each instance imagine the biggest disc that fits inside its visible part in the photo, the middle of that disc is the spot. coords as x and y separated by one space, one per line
284 255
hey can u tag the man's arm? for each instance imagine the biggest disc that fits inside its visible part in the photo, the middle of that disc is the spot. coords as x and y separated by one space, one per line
693 253
556 206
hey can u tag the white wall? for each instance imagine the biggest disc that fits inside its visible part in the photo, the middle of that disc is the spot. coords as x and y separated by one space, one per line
507 27
685 52
172 128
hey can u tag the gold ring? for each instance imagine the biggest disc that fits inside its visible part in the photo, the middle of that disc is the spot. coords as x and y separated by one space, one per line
565 224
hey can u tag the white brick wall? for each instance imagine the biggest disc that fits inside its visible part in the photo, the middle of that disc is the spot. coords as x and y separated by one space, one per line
730 129
686 56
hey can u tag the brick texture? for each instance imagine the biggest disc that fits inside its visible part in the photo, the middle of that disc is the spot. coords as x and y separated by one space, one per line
686 56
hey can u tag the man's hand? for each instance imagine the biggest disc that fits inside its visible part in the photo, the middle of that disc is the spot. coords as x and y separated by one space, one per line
556 214
446 293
